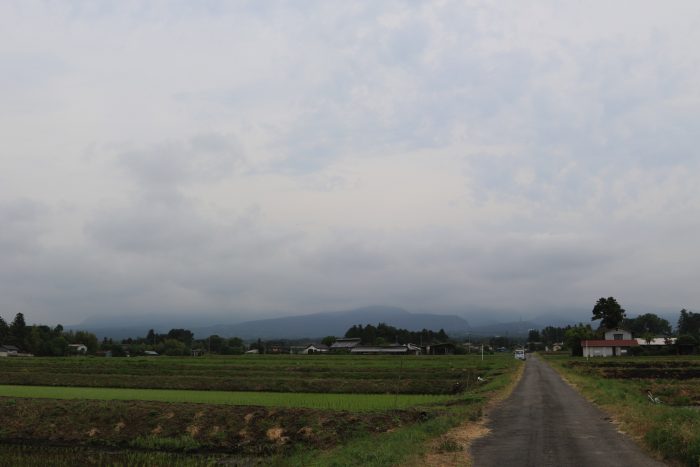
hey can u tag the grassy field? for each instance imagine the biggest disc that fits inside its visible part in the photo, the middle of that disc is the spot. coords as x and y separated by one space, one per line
362 410
621 386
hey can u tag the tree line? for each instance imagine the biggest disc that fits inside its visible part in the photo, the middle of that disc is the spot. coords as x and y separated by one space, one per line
175 342
42 340
383 334
45 341
611 315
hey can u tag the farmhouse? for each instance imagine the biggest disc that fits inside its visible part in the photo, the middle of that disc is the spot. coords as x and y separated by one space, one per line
617 342
408 349
8 351
345 343
315 348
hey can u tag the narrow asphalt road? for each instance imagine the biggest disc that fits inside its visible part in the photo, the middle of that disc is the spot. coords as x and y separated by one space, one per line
545 422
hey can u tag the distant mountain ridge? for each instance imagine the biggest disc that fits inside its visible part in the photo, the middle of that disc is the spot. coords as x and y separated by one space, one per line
312 326
317 325
336 324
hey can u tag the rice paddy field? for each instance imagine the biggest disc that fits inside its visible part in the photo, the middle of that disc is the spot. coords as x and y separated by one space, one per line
239 410
656 399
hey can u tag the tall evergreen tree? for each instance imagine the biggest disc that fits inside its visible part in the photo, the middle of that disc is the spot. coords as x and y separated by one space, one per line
19 330
689 323
4 330
609 312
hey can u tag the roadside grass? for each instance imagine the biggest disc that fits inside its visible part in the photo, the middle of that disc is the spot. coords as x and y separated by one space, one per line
350 402
673 432
386 449
410 444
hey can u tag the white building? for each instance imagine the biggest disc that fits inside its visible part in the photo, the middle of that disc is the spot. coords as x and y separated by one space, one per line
657 341
616 343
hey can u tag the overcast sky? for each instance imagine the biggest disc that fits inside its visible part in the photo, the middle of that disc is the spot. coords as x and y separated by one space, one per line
268 158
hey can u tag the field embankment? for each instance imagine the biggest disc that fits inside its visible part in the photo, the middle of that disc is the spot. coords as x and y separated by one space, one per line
654 399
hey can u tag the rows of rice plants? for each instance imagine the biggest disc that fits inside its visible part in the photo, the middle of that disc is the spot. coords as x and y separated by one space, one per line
327 401
282 373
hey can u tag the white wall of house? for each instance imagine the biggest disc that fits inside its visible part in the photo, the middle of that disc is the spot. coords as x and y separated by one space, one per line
603 351
597 351
616 333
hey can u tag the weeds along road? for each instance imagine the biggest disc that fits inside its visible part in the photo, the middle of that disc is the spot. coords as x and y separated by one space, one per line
545 422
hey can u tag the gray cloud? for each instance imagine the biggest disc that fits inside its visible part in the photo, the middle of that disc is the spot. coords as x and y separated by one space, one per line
271 157
204 158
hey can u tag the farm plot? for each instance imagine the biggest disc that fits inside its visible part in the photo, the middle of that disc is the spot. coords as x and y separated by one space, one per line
323 374
674 381
276 424
655 398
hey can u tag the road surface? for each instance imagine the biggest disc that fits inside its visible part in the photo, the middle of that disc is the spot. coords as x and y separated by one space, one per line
547 423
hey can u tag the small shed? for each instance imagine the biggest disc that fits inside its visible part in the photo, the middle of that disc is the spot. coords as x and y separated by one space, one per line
439 349
77 348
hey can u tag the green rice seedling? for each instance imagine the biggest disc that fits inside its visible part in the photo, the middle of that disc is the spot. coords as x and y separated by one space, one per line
351 402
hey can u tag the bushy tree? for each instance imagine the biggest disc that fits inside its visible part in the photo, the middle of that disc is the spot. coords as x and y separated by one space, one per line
4 330
183 335
385 334
551 335
18 330
648 323
234 346
173 347
88 339
689 323
609 312
533 335
328 340
575 334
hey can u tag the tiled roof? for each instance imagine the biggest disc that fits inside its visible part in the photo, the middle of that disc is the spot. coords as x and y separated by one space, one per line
345 343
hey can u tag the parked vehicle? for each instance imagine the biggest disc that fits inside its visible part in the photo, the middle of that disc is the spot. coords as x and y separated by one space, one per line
520 354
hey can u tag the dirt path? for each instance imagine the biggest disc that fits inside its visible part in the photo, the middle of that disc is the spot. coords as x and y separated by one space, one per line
545 422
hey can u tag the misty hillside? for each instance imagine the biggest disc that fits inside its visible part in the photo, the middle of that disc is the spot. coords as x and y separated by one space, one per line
314 325
336 323
322 324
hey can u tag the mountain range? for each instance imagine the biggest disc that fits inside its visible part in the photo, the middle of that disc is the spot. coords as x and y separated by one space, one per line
318 325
